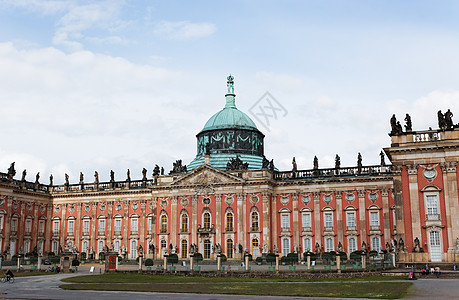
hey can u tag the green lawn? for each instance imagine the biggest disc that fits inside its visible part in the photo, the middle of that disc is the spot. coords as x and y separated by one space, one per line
247 286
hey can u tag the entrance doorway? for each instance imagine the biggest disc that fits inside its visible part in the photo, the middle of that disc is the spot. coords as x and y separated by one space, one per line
206 248
435 246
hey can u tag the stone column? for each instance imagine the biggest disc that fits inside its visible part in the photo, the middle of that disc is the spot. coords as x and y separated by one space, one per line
219 262
316 217
78 228
165 262
240 221
451 205
93 233
364 261
277 262
362 217
386 216
339 217
218 220
243 220
296 231
246 258
62 232
109 222
20 229
194 219
142 221
140 262
414 200
266 220
274 229
191 263
126 227
48 228
173 218
34 231
308 261
398 198
338 263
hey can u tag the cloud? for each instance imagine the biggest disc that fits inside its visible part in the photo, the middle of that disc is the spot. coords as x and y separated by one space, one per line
184 30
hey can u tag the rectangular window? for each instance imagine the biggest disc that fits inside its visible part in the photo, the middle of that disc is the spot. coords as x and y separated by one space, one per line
285 247
118 225
350 219
85 226
374 218
28 226
101 227
329 221
306 222
56 227
41 227
1 222
375 244
150 223
117 246
55 248
134 225
285 221
14 225
432 207
70 227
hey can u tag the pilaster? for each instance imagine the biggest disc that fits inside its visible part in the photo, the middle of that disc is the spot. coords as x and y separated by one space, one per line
362 216
414 200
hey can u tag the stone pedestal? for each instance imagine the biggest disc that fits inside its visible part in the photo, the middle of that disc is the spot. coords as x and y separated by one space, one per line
66 261
165 263
246 258
364 261
277 262
219 262
140 262
39 262
338 263
111 261
191 263
308 262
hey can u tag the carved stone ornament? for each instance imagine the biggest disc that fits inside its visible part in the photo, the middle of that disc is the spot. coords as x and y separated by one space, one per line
184 201
118 207
163 203
373 197
206 201
29 207
57 209
254 199
42 208
328 199
87 208
284 200
306 199
229 200
15 205
2 201
134 206
72 208
430 174
150 205
102 208
350 197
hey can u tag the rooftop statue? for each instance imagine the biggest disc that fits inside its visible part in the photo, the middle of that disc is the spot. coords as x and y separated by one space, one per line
230 84
66 176
441 120
316 163
81 178
236 164
337 162
24 173
359 163
178 167
128 175
96 177
396 127
271 165
162 170
294 166
37 177
383 162
11 170
265 163
409 125
156 171
112 176
144 174
51 180
449 119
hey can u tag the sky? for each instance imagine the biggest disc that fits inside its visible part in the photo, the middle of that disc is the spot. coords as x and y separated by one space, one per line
112 85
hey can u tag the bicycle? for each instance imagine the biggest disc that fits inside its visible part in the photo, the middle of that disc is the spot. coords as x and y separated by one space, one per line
7 279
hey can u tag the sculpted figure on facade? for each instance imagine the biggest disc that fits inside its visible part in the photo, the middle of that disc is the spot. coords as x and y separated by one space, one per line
11 171
112 176
96 177
382 156
294 166
396 127
401 245
265 163
337 162
66 176
128 175
24 173
359 163
441 120
236 164
37 177
144 174
177 167
51 180
449 119
156 171
408 124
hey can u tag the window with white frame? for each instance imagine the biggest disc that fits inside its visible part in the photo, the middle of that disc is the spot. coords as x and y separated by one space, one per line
352 245
285 222
329 221
134 225
150 224
374 218
55 247
100 247
329 244
14 225
133 249
28 226
70 226
26 246
85 226
432 207
101 226
55 227
376 244
285 247
41 227
118 226
85 247
117 246
307 244
394 218
306 221
350 219
1 222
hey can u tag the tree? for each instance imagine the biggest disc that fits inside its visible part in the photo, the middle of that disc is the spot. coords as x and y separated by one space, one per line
172 259
197 257
149 262
271 258
75 263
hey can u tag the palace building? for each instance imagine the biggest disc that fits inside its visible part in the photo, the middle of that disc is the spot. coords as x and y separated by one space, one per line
230 197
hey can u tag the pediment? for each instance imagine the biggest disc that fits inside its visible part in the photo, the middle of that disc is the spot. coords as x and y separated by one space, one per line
204 176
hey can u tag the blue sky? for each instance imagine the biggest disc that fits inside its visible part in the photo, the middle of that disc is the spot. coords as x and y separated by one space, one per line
100 85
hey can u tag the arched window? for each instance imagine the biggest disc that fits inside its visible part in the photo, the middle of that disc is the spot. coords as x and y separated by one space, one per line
163 245
206 248
254 221
184 248
164 223
85 247
229 248
229 221
307 244
376 244
206 220
285 247
255 249
184 225
329 244
100 246
134 249
352 245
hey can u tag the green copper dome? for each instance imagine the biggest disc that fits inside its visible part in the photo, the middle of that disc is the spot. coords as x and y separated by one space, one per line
229 134
229 117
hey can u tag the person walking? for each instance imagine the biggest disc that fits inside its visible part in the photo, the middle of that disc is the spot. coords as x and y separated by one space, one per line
437 271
